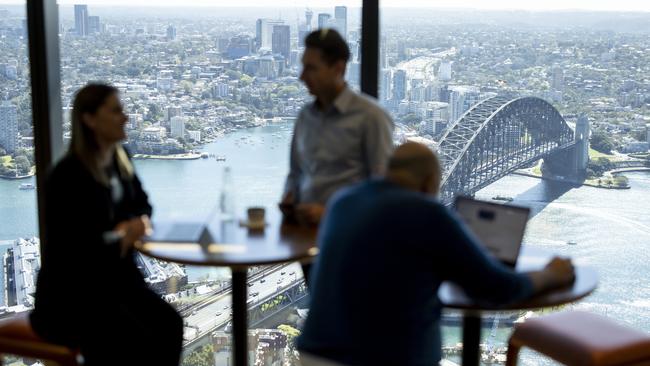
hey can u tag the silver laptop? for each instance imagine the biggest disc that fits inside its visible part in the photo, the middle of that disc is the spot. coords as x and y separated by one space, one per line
187 231
499 227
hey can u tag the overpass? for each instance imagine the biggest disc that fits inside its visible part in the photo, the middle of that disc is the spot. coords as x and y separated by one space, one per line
268 294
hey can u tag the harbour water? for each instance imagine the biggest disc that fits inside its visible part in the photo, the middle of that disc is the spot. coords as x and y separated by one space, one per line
611 227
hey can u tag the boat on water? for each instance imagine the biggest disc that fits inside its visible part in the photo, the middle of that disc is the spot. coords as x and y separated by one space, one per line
204 156
26 187
502 198
572 242
220 158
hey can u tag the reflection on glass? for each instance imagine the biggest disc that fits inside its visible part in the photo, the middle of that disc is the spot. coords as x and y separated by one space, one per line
436 64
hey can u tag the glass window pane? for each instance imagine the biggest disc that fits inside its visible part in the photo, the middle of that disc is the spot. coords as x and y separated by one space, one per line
19 239
212 94
437 63
18 226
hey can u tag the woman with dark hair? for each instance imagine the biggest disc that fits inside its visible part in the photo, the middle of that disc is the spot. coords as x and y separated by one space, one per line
90 294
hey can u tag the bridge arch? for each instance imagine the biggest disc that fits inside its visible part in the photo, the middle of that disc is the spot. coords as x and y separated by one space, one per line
496 137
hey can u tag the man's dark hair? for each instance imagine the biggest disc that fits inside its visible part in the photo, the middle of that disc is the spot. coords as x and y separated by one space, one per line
330 42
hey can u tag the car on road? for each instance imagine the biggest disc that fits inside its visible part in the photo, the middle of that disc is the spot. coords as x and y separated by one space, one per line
250 284
218 313
292 273
255 293
225 307
262 280
193 312
280 281
282 273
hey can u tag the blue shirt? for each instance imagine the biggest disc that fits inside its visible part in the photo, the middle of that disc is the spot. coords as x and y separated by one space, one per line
384 251
343 145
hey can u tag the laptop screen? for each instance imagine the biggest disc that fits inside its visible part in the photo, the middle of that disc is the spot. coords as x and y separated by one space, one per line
500 228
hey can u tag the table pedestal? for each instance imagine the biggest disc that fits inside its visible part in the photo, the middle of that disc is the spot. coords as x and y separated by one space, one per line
239 316
471 338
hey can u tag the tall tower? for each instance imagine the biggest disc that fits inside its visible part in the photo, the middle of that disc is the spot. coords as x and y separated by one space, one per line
323 18
341 16
81 20
281 41
399 85
308 15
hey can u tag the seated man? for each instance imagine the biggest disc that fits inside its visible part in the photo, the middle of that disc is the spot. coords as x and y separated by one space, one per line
385 247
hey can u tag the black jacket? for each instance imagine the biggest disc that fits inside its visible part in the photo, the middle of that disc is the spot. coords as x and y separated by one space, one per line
81 275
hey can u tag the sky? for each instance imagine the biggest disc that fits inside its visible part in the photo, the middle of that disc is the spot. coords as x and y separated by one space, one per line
599 5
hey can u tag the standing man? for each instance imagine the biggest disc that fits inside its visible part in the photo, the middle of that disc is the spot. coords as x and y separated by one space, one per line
340 138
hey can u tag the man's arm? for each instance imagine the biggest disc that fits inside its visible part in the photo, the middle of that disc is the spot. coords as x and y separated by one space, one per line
378 142
466 263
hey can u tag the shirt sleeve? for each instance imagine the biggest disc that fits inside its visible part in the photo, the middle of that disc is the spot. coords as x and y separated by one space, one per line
466 263
378 142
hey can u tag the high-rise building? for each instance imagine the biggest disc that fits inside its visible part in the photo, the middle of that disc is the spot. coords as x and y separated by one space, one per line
399 85
8 127
172 111
178 127
239 46
220 90
341 16
281 41
81 20
264 32
323 19
461 99
94 26
385 84
444 71
308 15
305 29
171 32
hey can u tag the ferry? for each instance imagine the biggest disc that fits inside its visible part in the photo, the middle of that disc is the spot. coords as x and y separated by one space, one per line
26 187
502 198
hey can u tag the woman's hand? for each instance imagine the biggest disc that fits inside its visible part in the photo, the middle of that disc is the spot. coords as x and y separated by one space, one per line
131 231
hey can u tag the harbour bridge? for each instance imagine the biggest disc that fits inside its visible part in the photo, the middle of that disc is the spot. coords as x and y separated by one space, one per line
498 136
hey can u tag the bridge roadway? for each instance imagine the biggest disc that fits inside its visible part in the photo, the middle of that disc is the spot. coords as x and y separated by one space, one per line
217 312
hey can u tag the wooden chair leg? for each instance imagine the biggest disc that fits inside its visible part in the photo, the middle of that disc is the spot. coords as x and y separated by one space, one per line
513 352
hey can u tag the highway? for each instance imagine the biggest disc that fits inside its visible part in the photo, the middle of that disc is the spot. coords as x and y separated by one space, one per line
218 312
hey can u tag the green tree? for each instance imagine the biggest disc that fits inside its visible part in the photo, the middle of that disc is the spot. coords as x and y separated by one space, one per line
23 165
620 181
411 119
599 166
601 141
203 356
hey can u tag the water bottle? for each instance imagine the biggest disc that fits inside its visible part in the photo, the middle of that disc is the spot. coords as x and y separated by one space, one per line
227 198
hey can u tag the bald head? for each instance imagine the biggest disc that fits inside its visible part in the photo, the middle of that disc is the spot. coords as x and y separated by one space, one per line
414 166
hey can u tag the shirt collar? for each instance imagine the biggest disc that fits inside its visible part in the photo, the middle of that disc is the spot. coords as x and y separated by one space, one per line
343 100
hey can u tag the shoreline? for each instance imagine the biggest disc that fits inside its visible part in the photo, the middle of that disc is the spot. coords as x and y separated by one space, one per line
585 183
186 156
18 177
